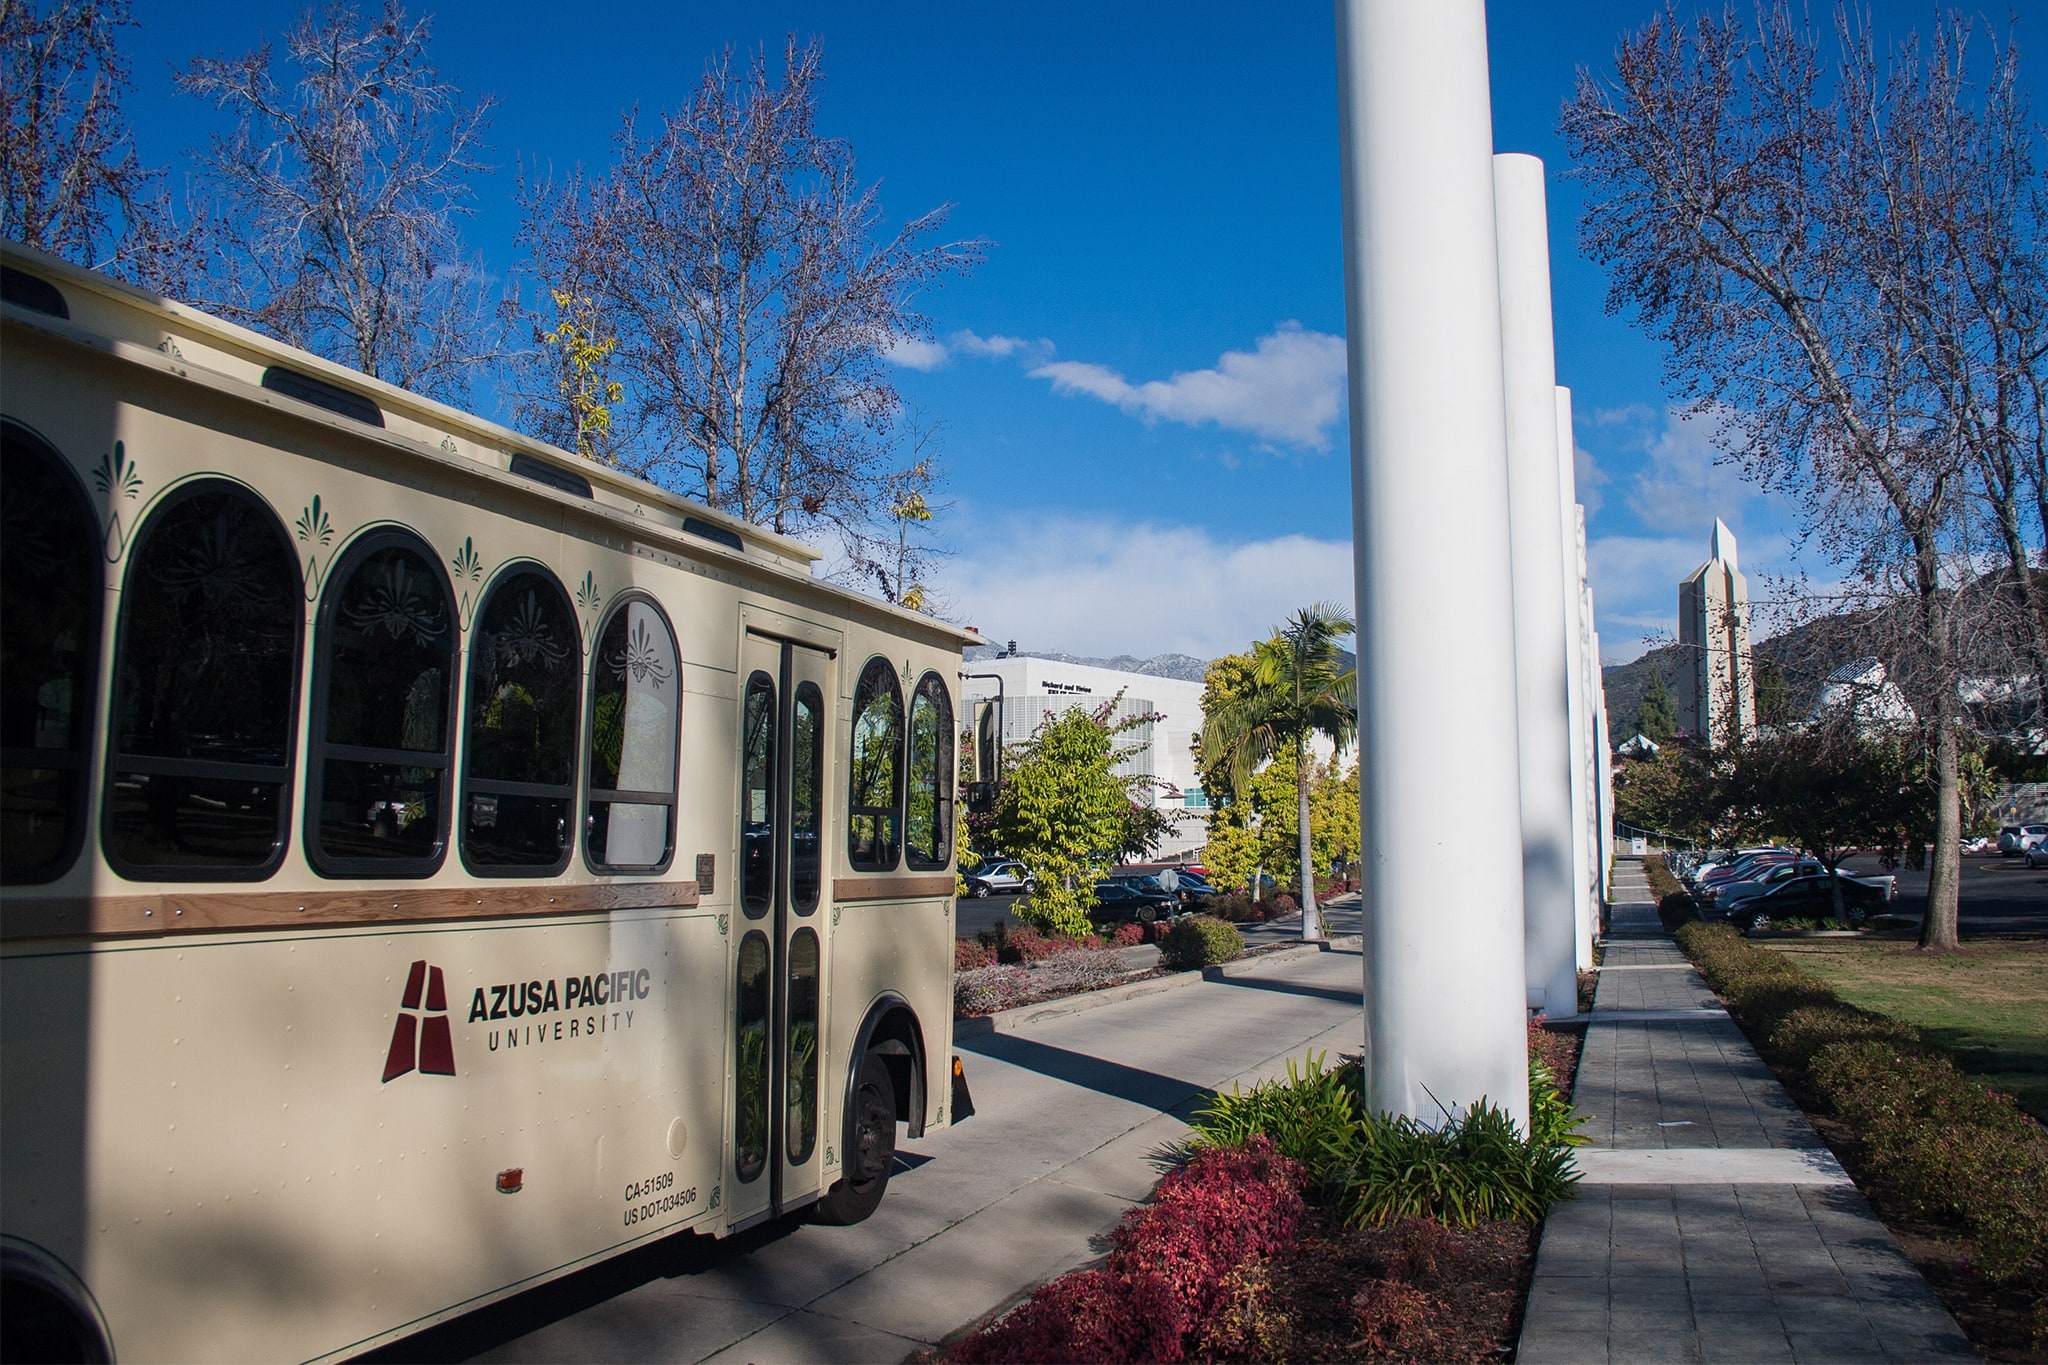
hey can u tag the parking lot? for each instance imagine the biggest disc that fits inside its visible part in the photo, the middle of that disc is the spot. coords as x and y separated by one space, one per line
1999 896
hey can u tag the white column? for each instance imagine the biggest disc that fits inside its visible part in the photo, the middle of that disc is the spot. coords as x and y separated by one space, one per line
1443 913
1604 752
1542 687
1571 581
1596 890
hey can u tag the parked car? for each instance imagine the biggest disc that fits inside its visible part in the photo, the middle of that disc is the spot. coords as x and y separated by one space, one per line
998 878
2037 853
2017 839
1983 843
1122 902
1809 898
1189 893
1717 899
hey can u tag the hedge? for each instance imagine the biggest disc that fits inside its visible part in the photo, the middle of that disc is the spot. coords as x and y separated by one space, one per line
1199 941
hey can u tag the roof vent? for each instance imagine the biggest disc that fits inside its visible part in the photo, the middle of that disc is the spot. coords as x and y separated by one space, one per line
717 535
322 394
24 290
526 467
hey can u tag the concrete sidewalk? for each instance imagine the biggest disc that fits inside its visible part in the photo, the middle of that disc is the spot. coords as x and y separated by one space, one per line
1712 1223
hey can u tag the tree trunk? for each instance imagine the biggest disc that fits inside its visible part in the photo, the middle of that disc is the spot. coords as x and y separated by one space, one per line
1944 878
1311 918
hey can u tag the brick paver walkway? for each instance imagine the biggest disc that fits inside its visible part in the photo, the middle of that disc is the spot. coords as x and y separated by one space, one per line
1758 1250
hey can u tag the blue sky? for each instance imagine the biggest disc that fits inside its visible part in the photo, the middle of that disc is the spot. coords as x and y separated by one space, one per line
1160 182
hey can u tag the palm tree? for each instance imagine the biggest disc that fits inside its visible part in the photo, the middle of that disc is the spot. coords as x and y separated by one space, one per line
1298 690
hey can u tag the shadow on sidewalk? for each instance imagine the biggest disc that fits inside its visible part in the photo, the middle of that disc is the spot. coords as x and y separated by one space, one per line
1090 1073
1252 983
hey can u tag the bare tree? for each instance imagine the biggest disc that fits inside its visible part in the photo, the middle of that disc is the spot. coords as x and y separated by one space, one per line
1757 215
70 181
745 270
338 196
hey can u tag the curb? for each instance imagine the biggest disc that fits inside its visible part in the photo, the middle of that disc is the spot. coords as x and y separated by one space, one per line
1011 1020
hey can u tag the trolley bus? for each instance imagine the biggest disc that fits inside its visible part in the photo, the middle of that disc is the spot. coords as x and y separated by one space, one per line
432 862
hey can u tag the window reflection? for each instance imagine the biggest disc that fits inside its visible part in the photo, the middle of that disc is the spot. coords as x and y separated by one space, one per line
636 693
205 690
876 768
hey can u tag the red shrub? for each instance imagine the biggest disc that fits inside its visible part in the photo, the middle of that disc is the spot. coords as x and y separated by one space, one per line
1127 936
1089 1315
1168 1266
1226 1206
969 955
1282 904
1554 1050
1391 1315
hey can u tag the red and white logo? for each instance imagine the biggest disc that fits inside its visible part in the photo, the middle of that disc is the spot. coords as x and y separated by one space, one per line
420 1040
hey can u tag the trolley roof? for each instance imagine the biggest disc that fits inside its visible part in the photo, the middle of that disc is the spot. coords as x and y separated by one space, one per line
101 313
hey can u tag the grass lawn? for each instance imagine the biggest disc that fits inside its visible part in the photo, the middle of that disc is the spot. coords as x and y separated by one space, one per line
1986 1004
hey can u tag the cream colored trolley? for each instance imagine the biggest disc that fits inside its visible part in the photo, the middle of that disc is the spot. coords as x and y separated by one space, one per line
433 862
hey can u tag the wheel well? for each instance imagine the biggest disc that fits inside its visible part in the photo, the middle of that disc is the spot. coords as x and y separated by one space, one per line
891 1032
45 1312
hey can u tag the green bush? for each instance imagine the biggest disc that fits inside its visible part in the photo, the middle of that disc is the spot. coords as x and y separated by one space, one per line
1198 941
1474 1169
1764 998
1935 1143
1311 1117
1805 1031
1552 1120
1675 909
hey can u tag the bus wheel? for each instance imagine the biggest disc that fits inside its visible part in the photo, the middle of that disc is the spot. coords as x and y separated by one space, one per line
873 1151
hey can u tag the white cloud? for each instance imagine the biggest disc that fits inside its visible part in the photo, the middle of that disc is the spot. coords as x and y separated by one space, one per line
1684 481
999 347
1098 586
1289 388
915 353
1587 480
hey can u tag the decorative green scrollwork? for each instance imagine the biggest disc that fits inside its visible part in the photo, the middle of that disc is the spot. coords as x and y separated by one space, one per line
716 1192
466 563
115 475
468 568
724 923
314 525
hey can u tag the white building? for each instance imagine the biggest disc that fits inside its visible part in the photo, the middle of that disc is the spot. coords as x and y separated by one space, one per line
1033 688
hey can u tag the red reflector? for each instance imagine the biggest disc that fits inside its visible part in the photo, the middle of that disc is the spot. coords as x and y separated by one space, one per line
510 1181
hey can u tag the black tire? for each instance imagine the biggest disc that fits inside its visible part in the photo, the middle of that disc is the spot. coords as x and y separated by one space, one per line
872 1153
1147 914
981 891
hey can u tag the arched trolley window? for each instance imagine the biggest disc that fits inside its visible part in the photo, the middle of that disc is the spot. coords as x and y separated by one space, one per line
383 713
519 736
51 591
874 835
636 688
928 798
206 691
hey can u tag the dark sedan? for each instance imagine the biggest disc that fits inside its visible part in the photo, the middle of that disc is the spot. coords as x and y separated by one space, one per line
1806 898
1120 902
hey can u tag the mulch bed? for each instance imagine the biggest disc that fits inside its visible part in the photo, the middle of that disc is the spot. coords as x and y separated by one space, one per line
1347 1289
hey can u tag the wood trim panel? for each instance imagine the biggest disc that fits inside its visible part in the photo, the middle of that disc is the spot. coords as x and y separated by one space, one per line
179 912
847 889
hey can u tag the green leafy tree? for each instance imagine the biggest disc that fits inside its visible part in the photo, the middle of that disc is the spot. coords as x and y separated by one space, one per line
1064 811
1300 689
1655 716
1830 789
1680 792
1224 682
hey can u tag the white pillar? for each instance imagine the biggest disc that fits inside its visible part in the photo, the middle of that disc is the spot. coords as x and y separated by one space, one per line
1542 660
1571 581
1604 751
1443 912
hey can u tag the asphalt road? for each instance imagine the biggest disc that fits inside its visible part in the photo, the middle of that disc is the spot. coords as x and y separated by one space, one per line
1070 1113
1999 895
